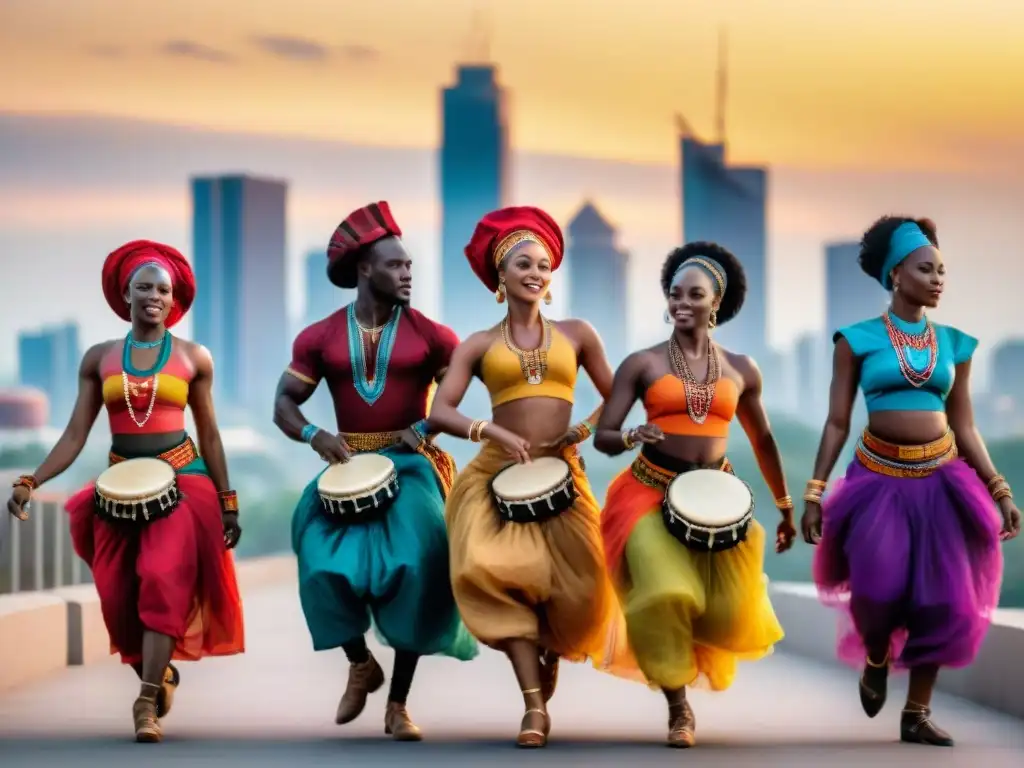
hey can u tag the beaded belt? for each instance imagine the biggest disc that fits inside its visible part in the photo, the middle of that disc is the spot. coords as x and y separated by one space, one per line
179 457
370 442
653 476
905 460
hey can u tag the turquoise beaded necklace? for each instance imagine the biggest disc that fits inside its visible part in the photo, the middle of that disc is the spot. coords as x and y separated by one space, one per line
370 392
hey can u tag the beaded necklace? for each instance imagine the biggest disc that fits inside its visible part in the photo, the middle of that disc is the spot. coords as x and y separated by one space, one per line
906 344
532 362
129 389
698 395
370 387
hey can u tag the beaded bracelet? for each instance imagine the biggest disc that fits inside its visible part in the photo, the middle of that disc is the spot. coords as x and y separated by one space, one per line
309 432
228 501
26 481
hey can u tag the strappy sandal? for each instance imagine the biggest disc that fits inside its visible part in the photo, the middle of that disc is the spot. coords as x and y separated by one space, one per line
147 725
682 725
165 698
531 738
548 674
872 699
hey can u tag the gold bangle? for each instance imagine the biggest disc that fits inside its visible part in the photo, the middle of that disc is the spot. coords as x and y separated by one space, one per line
627 439
476 430
1001 493
813 496
822 484
472 429
995 481
786 502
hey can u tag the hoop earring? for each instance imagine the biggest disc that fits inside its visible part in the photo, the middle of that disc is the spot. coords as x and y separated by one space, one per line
499 295
713 320
547 297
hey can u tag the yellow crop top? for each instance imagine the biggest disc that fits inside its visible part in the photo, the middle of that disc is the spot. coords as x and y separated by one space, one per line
507 374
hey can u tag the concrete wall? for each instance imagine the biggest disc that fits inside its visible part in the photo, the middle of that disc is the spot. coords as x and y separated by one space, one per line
44 632
995 679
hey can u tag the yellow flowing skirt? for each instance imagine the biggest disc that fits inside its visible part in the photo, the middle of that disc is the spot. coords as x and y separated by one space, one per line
690 616
544 581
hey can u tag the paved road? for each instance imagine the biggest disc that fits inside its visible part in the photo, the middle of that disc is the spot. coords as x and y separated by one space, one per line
275 707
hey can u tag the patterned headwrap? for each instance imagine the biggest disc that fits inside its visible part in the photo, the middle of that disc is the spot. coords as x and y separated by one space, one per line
499 232
129 258
359 230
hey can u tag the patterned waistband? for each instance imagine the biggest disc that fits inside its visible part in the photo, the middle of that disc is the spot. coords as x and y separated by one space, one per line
370 442
905 460
179 457
653 476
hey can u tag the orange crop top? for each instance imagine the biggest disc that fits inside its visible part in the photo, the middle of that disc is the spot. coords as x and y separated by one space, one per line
506 376
665 401
170 379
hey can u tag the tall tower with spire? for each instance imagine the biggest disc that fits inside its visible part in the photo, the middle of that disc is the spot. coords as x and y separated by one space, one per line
473 172
727 204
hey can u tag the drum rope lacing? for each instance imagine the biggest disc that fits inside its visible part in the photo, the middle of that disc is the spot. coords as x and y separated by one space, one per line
532 362
698 396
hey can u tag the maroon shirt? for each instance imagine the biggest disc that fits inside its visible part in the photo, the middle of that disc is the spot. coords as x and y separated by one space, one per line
421 351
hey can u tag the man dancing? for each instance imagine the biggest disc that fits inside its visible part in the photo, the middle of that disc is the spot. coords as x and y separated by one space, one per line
379 358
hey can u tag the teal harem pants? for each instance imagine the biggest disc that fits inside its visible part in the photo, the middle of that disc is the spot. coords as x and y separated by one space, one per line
392 571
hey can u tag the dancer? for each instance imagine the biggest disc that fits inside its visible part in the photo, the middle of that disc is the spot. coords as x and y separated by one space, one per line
165 577
691 612
909 551
379 357
529 578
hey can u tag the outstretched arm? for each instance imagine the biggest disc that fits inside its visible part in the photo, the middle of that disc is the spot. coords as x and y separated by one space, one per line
87 408
754 420
625 391
444 411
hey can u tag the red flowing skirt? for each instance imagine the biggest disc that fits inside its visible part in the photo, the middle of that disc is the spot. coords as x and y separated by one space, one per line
172 576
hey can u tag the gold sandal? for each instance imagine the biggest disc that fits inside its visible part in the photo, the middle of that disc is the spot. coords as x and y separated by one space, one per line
531 738
147 725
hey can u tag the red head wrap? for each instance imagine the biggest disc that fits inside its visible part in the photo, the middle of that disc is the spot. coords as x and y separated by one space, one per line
122 263
359 230
500 231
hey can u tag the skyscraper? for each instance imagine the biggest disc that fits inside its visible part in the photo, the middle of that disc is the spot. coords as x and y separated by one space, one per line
48 360
599 279
474 175
728 205
240 264
850 295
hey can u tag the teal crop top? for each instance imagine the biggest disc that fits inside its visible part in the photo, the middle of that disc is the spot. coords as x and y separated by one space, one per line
884 387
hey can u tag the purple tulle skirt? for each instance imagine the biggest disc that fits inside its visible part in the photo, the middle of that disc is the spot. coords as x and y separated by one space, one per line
917 562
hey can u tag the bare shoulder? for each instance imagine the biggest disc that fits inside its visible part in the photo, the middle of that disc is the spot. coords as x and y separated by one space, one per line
477 343
744 365
643 359
576 328
94 354
199 355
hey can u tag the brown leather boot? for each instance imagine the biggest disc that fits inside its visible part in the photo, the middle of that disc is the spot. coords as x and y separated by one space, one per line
147 726
682 725
363 679
399 725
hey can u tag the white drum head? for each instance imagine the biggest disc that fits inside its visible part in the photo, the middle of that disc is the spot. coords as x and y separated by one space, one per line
709 497
362 473
527 481
135 479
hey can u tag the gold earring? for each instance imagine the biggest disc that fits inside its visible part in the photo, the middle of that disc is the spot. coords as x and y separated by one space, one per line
499 295
713 320
547 297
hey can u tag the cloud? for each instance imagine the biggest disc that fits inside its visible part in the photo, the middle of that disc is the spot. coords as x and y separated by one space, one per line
359 52
294 48
192 50
106 51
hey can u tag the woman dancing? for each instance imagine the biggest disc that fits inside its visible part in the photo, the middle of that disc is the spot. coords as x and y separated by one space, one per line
909 550
690 615
167 588
536 590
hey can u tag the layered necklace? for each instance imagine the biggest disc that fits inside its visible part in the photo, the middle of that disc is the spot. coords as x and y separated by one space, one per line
370 383
532 362
909 346
698 395
132 389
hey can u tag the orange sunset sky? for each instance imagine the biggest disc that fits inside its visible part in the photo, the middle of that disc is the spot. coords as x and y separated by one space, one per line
859 107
